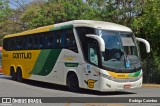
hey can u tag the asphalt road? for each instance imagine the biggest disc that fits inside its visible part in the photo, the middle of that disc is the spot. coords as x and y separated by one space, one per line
29 88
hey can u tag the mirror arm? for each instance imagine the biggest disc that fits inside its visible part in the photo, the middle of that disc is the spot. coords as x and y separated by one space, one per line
99 39
145 42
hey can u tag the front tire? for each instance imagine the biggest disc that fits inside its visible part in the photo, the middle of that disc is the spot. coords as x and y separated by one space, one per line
72 82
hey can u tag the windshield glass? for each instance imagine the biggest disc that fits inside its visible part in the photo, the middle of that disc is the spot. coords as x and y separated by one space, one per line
120 50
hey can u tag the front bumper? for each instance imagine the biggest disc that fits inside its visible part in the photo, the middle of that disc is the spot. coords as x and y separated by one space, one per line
109 85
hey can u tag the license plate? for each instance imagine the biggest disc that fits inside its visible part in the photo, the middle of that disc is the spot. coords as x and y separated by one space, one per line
127 86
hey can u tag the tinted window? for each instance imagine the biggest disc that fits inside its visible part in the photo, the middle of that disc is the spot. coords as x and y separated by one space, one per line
67 40
47 40
41 41
24 44
36 43
30 42
55 40
92 53
82 31
19 43
70 41
13 44
5 44
58 33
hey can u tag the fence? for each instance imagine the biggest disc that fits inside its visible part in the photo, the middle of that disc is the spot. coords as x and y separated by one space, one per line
150 73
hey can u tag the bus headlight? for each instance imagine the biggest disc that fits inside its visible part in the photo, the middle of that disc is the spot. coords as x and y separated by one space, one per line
106 76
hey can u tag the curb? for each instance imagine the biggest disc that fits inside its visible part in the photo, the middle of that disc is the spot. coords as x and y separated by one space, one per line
151 85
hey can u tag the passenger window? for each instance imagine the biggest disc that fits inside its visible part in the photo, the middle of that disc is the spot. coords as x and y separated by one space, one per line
12 44
19 43
41 44
70 41
58 39
35 42
54 40
50 40
30 43
24 45
6 44
63 39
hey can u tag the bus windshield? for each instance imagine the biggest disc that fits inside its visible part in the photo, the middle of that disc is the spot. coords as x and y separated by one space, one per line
120 50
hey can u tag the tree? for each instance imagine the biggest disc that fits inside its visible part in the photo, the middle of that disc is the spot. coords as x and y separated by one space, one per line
77 10
51 12
5 12
41 14
148 25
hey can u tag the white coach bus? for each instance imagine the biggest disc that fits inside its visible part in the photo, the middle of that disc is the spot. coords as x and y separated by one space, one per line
87 54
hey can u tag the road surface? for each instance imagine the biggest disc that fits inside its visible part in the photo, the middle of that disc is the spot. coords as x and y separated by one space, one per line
29 88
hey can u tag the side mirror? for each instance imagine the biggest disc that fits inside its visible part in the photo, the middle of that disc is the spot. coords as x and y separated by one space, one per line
99 39
145 42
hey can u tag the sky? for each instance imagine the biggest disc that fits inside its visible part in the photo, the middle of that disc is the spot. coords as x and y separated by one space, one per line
13 3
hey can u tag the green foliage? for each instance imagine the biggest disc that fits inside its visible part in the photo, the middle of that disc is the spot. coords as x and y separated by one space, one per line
37 15
76 10
5 12
148 25
4 9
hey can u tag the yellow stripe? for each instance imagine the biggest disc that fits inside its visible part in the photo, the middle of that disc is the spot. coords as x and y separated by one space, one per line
68 58
37 30
119 75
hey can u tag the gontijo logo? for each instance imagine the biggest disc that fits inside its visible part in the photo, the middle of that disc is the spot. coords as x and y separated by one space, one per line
22 55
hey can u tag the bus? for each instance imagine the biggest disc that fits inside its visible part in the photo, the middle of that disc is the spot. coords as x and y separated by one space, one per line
88 54
0 59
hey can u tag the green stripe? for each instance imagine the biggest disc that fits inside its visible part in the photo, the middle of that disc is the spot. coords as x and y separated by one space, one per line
51 61
136 74
131 74
46 61
42 58
62 27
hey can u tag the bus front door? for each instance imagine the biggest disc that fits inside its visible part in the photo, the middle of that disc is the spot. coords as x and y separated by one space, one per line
91 73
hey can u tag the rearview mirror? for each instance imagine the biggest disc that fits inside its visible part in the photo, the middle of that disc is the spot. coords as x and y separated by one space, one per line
145 42
99 39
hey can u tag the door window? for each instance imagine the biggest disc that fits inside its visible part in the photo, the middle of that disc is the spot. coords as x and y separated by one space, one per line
92 54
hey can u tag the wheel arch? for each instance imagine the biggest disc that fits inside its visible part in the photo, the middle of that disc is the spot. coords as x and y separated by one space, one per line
73 72
12 68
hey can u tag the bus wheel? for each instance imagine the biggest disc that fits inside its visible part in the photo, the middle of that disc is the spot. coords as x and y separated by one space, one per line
19 75
13 74
72 82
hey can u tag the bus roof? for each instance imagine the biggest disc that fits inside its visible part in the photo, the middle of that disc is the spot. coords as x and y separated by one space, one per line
75 23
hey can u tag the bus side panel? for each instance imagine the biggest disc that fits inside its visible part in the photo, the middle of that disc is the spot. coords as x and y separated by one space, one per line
73 63
49 67
66 61
23 59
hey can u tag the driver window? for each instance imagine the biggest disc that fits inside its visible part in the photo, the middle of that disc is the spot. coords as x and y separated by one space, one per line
92 54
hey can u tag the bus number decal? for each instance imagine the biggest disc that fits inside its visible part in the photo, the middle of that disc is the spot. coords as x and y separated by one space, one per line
90 83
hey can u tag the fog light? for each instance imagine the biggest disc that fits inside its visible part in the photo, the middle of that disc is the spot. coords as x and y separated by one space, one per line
109 86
